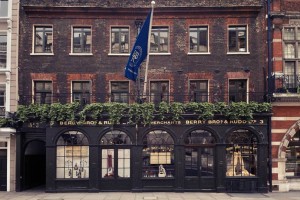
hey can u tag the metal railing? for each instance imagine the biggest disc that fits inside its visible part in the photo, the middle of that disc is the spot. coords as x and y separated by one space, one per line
157 98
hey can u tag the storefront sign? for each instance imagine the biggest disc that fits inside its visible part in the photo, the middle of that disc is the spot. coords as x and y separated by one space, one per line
167 122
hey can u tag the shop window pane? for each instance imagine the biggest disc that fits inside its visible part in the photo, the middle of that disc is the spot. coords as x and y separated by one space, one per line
72 158
107 163
293 156
158 155
241 153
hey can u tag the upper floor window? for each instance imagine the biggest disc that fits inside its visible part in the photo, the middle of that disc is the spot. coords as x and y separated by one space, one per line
237 39
81 91
3 50
3 8
159 91
2 99
237 90
159 40
43 39
198 90
291 48
120 91
199 39
42 92
82 40
119 40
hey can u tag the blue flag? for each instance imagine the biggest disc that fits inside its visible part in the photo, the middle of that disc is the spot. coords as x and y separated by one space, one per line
138 52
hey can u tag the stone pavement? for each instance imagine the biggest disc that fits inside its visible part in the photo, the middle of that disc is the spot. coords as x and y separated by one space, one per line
40 195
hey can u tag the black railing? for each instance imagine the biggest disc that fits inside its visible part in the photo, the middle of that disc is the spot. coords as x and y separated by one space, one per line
285 83
156 98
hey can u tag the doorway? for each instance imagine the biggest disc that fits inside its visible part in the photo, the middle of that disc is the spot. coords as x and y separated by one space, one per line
3 169
34 165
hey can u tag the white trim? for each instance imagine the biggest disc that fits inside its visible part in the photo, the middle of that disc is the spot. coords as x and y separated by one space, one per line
118 54
160 54
80 54
110 38
198 53
42 54
285 118
235 53
275 143
278 130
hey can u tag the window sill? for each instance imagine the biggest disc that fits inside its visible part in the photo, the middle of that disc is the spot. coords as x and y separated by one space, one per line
238 53
42 54
160 54
118 54
80 54
199 53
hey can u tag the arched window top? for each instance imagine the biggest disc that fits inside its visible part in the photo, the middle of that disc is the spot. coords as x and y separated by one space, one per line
241 136
199 137
72 138
115 137
158 137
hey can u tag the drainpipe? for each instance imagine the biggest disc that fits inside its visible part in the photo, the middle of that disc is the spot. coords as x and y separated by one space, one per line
270 83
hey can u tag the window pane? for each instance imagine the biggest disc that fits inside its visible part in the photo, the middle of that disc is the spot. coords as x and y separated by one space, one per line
120 91
289 50
290 74
3 50
241 153
43 92
43 40
120 40
198 91
289 34
72 159
159 91
159 40
237 39
115 137
158 154
198 39
237 90
3 8
82 40
107 163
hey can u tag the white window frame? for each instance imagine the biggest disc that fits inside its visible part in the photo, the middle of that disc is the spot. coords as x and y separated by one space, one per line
110 39
72 38
90 95
169 39
33 40
208 40
247 39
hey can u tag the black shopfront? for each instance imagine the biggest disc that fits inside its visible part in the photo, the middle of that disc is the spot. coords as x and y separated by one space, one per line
191 155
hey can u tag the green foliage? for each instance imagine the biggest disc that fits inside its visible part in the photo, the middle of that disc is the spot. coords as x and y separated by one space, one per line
136 113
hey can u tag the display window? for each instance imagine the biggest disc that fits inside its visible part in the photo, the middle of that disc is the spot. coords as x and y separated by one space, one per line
72 156
158 155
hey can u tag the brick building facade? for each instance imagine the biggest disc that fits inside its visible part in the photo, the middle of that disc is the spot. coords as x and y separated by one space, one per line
286 107
203 51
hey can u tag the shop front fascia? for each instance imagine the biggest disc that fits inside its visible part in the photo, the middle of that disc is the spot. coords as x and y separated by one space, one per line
219 155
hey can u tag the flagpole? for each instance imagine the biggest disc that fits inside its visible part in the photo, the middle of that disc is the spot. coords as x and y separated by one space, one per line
148 50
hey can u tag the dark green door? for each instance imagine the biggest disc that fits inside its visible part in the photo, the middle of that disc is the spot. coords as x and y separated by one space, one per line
199 168
3 169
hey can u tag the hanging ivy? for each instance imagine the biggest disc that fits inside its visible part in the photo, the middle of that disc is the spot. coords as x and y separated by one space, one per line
136 113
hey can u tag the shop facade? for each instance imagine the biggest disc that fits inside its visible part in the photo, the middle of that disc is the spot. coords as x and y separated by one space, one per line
191 155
